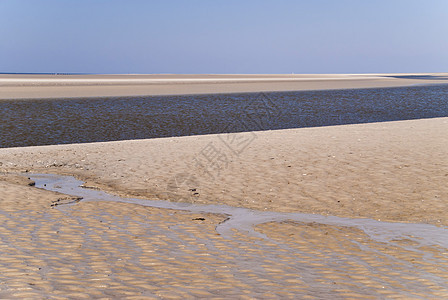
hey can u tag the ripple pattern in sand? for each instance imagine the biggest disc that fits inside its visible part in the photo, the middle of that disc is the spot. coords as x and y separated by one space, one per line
95 249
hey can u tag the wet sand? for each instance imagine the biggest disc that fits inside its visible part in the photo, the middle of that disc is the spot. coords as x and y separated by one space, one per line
392 171
119 250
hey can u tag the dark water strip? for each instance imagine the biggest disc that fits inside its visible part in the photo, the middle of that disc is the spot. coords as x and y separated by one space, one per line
82 120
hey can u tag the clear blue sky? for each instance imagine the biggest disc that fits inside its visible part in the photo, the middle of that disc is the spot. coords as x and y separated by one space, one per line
217 36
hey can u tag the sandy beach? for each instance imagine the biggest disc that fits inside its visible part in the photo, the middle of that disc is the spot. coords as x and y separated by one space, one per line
388 172
65 86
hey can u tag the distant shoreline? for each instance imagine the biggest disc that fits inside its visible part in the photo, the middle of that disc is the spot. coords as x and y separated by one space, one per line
31 86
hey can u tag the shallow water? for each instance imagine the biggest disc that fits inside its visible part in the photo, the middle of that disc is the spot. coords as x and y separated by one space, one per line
297 254
53 121
245 219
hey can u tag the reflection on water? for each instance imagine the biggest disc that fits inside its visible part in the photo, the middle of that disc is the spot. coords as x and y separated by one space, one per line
43 122
426 77
289 255
245 219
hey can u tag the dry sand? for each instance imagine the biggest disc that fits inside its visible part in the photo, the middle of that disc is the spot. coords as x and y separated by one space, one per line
57 86
392 171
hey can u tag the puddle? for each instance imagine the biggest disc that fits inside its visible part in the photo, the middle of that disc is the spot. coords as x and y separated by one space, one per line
245 220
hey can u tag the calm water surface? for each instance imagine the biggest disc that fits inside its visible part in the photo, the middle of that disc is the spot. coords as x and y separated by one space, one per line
44 122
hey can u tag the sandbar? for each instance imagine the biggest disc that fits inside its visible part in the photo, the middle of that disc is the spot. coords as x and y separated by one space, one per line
65 86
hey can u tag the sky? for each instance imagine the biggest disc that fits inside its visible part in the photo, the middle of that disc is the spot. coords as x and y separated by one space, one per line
223 37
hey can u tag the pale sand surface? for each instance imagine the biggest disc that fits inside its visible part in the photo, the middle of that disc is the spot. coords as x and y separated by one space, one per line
394 171
57 86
